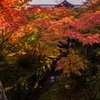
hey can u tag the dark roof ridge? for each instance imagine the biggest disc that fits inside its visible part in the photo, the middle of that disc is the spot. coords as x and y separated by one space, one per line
65 3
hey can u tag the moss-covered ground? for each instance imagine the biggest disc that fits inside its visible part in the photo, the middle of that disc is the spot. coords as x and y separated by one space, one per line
76 92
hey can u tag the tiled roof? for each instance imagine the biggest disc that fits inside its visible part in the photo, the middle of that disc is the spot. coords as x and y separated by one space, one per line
65 3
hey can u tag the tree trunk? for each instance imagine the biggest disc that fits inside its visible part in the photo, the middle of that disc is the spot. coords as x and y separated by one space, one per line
2 93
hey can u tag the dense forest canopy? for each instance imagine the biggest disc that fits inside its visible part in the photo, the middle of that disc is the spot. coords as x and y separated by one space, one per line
39 29
44 31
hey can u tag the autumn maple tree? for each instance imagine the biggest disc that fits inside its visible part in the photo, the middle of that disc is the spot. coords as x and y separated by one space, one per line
61 25
10 21
40 30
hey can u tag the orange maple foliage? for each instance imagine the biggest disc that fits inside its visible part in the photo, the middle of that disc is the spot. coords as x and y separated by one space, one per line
72 63
10 20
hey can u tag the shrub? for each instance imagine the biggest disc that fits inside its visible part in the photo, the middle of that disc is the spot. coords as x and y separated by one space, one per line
2 57
24 61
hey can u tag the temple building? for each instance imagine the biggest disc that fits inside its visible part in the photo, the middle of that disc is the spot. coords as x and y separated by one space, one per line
65 4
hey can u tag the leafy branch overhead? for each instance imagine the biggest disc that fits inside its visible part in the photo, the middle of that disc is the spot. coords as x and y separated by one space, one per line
40 30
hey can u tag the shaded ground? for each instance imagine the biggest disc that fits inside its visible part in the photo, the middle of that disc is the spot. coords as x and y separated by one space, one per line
44 87
12 74
77 91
